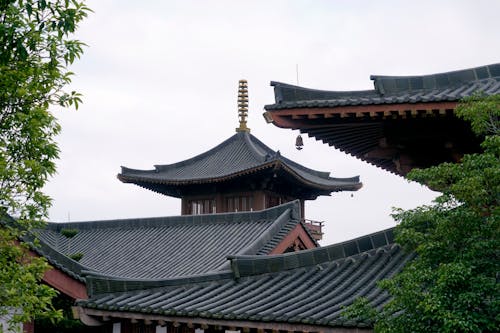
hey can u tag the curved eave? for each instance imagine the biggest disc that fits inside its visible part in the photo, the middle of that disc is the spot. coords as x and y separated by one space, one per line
288 117
439 87
292 284
379 101
182 182
358 130
352 184
57 259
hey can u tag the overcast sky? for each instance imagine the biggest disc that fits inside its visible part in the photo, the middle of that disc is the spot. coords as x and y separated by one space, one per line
160 78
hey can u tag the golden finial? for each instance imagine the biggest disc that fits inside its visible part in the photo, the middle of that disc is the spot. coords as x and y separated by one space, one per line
243 106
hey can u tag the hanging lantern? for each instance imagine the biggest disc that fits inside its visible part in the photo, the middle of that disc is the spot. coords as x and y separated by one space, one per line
299 143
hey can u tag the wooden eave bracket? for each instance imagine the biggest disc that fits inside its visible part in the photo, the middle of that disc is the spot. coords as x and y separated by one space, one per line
289 118
243 325
79 313
268 116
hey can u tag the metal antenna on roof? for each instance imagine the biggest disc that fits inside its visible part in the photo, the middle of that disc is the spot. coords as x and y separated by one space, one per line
297 72
243 106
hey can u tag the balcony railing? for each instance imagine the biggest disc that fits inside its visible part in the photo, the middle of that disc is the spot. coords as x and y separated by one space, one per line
315 228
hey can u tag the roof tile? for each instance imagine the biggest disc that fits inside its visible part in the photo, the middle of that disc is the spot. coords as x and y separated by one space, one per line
241 153
450 86
166 247
307 287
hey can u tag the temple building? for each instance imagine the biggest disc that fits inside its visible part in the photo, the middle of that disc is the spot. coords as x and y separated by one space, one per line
240 174
403 123
240 256
239 199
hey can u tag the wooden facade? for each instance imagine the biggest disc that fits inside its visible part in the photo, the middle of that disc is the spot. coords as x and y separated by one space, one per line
233 201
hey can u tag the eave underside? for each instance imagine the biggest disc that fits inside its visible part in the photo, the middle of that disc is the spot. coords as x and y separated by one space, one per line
174 322
396 137
277 180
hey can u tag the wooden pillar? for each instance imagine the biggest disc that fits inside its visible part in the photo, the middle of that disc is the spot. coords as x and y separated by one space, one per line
184 206
259 200
303 208
220 204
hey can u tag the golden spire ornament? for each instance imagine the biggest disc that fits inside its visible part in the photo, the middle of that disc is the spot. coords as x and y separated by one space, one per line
243 106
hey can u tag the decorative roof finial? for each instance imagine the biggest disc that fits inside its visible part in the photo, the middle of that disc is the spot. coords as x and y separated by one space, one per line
243 106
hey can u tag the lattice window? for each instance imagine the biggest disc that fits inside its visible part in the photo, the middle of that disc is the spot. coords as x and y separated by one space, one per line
239 203
202 206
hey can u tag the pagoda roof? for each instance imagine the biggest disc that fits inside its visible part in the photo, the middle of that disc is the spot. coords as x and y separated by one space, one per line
241 154
441 87
309 287
165 247
405 122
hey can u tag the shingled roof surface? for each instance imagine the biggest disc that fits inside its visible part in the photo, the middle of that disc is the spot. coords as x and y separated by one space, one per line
307 287
240 154
159 248
450 86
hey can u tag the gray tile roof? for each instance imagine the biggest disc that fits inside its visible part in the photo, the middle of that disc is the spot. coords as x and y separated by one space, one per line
307 287
57 259
239 155
165 247
450 86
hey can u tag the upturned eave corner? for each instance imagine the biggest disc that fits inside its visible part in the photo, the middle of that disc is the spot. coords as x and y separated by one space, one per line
268 117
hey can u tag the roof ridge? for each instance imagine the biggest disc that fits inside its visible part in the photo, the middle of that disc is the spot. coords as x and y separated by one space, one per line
101 283
231 217
244 265
249 265
340 187
491 71
393 84
321 174
55 258
387 90
64 263
160 167
320 94
252 143
265 237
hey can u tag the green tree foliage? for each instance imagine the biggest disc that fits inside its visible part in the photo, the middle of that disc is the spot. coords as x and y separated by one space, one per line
36 49
453 283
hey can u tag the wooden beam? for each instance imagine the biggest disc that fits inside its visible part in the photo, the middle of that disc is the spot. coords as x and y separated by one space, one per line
296 116
386 109
297 233
65 284
382 153
79 313
218 322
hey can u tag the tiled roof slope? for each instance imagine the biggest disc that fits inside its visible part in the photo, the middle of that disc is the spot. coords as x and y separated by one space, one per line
166 247
450 86
240 154
307 287
57 259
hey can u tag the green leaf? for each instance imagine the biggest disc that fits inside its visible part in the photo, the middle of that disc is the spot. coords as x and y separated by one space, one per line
452 284
33 75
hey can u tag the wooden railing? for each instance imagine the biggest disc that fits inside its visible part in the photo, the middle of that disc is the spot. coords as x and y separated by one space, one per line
315 228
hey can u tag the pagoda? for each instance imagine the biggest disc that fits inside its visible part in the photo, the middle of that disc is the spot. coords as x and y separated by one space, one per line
239 174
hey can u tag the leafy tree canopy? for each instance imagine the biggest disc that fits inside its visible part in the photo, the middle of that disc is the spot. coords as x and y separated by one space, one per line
36 49
452 285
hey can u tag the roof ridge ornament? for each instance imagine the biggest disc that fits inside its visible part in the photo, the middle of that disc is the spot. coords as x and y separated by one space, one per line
243 106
